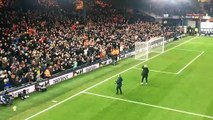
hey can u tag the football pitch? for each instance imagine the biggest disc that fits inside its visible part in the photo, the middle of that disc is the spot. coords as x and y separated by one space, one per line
180 88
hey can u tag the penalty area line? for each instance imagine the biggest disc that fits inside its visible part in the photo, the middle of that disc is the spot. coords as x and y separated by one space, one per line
190 62
79 93
150 105
158 71
188 50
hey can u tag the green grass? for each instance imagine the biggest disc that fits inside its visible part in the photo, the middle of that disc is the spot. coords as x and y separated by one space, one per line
189 91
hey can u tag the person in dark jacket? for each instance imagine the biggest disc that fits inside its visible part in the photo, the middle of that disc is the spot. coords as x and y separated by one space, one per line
144 74
119 84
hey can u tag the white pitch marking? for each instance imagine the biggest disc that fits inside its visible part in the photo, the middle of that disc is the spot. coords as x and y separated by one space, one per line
158 71
103 81
190 62
188 50
150 105
54 101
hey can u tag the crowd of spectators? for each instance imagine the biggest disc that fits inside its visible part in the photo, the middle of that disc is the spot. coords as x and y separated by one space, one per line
35 44
3 3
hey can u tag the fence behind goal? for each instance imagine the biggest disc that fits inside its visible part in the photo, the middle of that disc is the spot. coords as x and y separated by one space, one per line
143 49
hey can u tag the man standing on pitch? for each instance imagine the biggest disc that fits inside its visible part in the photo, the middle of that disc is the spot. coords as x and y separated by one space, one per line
119 84
145 73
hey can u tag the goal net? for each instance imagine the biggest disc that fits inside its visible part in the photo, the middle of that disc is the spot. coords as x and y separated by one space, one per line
143 49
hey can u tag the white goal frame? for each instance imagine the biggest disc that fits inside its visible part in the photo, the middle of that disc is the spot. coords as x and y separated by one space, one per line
155 45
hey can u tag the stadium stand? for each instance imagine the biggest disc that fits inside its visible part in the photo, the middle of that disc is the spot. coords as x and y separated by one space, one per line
37 43
177 8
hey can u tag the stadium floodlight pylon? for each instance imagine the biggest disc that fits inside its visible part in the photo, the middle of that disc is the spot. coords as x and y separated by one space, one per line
142 49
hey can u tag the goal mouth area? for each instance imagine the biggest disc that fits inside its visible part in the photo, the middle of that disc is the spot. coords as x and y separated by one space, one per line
144 49
145 57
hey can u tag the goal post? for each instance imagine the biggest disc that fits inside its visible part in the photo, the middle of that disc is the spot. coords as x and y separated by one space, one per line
143 49
156 45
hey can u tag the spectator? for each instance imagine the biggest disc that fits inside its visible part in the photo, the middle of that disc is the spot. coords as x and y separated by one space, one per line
47 73
37 43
